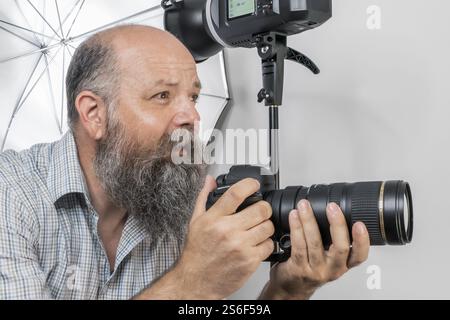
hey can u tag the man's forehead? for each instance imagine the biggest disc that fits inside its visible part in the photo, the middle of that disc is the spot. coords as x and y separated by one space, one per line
155 66
156 71
161 72
139 55
156 78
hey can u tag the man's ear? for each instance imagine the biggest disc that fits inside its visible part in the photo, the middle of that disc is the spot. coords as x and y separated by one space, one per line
92 114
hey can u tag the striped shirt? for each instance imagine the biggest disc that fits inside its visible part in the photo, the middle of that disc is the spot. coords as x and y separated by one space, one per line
49 245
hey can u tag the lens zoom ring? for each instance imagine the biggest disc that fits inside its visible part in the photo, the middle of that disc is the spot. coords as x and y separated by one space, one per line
335 193
364 204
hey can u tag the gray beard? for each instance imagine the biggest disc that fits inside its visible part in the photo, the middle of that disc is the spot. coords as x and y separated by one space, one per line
161 195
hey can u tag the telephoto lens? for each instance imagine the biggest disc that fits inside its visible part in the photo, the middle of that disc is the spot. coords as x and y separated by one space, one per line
385 207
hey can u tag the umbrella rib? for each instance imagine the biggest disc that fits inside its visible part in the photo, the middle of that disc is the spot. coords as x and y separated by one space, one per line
71 46
76 17
19 36
26 20
213 96
43 18
44 11
31 90
19 101
37 81
68 50
67 17
145 19
83 35
223 68
25 29
30 53
50 86
59 18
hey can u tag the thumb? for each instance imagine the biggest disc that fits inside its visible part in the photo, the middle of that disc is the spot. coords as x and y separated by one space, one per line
200 206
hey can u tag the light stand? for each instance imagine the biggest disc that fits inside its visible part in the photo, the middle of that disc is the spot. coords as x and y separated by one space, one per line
273 50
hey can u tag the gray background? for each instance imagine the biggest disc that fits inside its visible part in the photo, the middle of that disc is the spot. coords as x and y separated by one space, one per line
378 111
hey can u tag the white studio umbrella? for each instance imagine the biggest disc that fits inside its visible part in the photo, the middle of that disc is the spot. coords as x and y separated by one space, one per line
37 41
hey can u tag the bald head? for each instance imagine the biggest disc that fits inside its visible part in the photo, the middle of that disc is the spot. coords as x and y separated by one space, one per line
156 44
99 62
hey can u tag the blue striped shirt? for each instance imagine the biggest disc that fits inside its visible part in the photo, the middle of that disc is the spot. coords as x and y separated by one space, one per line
49 245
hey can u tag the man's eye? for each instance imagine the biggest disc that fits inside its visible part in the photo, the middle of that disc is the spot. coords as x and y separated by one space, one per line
195 98
162 95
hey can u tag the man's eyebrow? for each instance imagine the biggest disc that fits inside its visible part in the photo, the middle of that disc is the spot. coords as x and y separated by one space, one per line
165 82
197 84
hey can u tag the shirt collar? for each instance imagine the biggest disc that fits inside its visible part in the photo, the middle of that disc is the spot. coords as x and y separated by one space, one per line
64 174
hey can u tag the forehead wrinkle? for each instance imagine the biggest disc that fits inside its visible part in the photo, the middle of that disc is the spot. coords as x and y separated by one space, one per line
174 83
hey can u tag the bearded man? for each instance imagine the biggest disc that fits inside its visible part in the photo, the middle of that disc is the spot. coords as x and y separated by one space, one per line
104 213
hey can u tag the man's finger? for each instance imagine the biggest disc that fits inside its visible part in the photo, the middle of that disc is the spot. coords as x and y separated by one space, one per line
260 233
200 205
254 215
316 254
235 195
360 245
337 255
299 249
265 249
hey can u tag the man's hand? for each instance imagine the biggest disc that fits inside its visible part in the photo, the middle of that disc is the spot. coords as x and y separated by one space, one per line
222 250
310 266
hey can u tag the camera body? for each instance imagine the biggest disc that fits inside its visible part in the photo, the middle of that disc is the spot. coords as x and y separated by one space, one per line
238 173
267 187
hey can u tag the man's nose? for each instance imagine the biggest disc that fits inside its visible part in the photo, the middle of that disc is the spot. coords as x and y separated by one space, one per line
187 116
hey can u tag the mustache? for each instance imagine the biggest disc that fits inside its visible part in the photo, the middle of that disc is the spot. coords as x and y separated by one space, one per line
163 149
182 143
